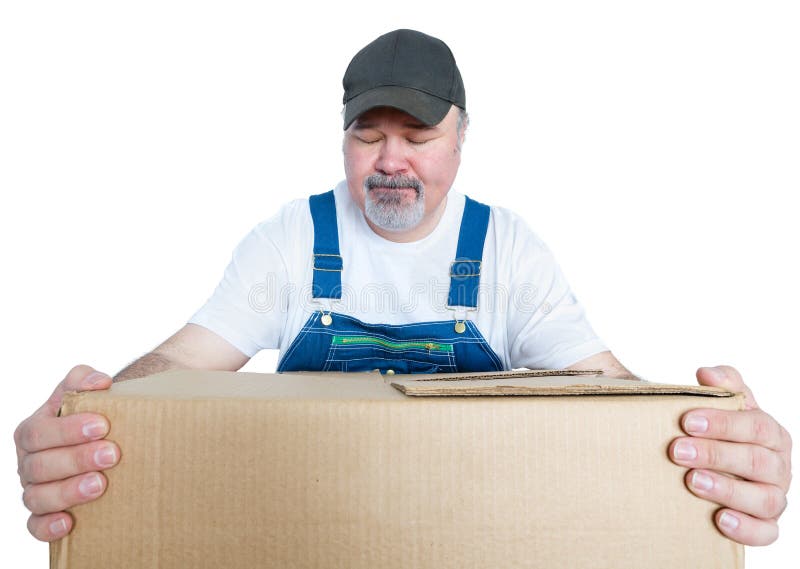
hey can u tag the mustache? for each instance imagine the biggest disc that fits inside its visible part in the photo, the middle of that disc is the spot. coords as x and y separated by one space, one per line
392 182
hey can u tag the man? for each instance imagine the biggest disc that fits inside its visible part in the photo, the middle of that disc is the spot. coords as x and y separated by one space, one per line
469 288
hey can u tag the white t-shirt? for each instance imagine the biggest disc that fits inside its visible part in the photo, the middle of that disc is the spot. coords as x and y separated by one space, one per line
526 310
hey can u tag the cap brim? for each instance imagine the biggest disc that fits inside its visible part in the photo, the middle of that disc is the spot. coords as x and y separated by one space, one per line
426 108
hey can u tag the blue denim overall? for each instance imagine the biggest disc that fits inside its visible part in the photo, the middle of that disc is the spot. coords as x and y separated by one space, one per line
330 341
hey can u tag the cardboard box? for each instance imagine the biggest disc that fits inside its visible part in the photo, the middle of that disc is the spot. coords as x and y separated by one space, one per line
364 471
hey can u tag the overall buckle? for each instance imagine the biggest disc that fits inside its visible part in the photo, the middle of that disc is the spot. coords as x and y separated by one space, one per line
462 268
327 262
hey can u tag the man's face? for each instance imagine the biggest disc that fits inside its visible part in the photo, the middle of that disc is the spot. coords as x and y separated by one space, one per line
399 170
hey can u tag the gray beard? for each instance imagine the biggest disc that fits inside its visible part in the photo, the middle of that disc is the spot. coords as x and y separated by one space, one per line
389 212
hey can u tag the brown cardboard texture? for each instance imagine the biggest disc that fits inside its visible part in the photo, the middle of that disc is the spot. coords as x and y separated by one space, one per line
347 471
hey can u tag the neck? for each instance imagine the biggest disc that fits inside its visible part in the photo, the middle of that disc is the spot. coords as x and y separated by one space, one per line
425 227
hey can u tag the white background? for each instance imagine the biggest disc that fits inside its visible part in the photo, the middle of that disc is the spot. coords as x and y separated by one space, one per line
654 146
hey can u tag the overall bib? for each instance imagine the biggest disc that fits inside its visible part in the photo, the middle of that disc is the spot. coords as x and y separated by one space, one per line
330 341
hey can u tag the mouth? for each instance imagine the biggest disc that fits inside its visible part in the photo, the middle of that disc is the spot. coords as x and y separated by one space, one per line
396 195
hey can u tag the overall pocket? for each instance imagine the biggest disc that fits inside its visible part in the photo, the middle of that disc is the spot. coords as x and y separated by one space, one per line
360 352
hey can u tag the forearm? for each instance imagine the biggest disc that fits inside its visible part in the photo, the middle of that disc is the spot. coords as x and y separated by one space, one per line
148 364
607 362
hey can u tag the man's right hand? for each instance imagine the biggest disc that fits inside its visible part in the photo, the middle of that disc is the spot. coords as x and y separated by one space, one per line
60 458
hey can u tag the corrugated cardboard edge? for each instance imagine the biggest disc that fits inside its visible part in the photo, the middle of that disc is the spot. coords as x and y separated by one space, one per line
59 554
59 550
553 386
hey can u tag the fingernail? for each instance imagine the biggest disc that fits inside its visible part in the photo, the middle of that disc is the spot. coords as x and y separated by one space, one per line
696 424
90 485
702 481
717 373
684 451
94 378
58 527
105 456
95 429
728 521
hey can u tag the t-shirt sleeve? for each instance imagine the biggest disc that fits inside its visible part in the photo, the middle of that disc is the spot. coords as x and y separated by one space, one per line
547 327
247 308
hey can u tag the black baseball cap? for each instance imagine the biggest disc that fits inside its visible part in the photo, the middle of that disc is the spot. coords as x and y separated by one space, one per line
407 70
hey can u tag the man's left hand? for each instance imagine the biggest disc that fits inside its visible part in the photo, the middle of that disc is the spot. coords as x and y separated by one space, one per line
738 459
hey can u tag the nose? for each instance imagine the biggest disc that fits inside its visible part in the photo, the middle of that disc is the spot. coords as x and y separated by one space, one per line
392 158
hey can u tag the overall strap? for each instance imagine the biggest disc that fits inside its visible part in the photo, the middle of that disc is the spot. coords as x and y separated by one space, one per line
327 260
465 271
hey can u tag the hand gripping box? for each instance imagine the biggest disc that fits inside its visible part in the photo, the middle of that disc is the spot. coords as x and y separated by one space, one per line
357 471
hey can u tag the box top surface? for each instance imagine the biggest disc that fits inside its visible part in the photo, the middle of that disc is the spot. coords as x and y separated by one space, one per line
196 384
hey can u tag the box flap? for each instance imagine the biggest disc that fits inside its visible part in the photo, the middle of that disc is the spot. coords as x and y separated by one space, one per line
510 384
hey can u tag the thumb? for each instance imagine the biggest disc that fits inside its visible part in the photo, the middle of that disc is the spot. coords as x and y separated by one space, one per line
79 378
728 378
